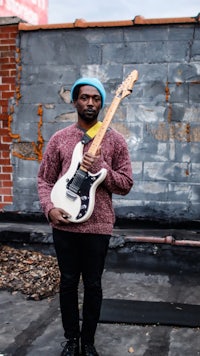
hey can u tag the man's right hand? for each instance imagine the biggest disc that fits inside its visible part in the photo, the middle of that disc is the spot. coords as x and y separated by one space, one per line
59 216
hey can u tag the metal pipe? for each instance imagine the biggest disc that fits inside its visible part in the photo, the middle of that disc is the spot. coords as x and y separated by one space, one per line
162 240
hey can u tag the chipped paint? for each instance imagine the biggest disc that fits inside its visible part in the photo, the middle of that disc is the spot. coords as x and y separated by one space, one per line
27 150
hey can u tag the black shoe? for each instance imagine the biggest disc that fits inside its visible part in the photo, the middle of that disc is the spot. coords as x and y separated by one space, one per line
71 348
89 350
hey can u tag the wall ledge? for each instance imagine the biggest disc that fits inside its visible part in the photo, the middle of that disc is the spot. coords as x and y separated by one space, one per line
138 20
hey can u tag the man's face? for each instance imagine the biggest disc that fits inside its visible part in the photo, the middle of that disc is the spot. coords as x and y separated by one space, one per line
88 103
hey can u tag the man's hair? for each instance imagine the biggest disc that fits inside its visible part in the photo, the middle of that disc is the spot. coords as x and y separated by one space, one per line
76 92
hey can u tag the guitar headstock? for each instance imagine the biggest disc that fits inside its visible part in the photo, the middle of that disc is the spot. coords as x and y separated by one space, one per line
126 87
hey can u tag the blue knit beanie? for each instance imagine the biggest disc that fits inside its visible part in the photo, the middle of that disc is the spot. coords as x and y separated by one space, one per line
94 82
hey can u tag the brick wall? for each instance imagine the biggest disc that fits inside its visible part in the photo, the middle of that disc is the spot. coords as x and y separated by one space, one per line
8 35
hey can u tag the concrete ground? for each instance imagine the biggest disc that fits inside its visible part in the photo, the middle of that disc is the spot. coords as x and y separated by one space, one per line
144 272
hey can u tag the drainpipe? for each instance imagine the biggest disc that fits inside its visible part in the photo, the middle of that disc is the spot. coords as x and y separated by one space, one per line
162 240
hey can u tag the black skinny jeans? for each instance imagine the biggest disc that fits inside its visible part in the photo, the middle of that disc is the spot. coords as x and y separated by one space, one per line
78 254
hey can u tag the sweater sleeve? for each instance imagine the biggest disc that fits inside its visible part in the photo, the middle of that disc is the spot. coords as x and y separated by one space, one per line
48 174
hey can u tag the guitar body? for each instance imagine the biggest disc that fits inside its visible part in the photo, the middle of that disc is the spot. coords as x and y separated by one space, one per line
77 201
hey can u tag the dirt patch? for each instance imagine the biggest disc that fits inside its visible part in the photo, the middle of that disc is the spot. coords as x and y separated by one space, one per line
32 273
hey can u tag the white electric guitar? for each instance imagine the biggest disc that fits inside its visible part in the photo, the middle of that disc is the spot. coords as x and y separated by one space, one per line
75 191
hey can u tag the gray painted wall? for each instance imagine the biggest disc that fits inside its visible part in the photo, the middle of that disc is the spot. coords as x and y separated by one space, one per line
160 119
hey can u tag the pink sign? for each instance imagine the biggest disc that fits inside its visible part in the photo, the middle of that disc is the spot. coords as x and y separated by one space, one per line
32 11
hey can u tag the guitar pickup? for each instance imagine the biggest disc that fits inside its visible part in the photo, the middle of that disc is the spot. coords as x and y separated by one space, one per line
71 195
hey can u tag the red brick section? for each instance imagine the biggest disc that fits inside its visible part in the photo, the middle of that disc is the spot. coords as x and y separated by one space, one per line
8 35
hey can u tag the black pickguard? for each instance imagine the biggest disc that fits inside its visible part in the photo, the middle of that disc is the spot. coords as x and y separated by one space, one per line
84 192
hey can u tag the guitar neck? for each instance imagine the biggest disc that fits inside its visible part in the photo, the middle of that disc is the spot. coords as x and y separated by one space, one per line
105 124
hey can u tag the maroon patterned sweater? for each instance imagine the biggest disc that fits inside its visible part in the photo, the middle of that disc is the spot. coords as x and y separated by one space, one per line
114 157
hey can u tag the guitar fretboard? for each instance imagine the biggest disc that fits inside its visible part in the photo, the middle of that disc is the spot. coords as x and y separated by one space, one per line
105 124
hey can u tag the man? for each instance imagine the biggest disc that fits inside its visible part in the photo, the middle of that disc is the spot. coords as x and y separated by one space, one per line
81 248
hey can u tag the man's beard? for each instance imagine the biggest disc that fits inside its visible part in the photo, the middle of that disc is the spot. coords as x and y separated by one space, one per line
88 116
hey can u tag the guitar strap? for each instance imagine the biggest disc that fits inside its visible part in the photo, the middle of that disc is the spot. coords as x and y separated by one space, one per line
89 134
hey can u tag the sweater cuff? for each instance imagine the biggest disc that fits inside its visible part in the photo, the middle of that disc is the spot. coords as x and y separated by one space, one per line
47 210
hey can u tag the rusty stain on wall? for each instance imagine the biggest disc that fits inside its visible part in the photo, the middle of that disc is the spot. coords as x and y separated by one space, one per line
10 119
19 69
169 113
195 134
181 132
167 92
178 84
188 132
122 128
40 141
161 133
